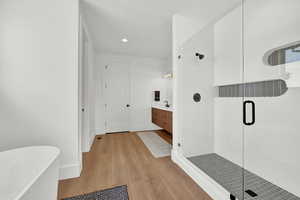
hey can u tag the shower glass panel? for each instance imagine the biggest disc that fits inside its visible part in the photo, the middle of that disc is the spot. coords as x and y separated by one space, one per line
238 100
272 143
210 67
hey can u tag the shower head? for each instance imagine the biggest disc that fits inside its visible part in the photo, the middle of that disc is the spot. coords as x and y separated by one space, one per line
200 56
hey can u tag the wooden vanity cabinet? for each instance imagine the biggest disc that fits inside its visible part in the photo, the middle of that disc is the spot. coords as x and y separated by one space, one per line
162 118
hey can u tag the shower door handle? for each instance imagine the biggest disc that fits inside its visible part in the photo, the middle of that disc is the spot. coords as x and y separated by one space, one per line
245 113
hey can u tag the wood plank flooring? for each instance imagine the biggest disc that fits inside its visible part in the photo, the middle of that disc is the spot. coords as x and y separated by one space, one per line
123 159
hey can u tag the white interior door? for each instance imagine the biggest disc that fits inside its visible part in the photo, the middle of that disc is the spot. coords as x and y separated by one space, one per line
85 99
84 127
117 97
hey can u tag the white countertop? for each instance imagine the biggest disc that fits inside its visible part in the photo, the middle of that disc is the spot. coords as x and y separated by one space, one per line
162 107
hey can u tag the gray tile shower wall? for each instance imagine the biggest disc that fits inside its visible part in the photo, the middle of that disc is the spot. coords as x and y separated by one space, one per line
272 88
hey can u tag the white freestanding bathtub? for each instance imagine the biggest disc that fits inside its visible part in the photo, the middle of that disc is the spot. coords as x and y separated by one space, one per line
29 173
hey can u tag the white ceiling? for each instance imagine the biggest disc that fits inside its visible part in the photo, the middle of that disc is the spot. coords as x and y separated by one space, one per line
145 23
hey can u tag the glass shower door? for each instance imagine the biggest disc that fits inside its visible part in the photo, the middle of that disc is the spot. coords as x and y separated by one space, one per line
272 96
210 97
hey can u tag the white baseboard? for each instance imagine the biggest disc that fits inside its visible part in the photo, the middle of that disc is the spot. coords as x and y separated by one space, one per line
146 129
99 132
69 171
216 191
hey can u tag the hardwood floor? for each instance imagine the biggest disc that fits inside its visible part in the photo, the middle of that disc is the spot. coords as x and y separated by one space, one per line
123 159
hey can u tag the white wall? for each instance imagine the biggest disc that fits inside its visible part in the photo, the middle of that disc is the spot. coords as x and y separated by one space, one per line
259 39
169 81
228 69
182 29
196 76
268 25
92 92
87 83
228 58
228 126
271 145
99 99
276 132
146 76
39 77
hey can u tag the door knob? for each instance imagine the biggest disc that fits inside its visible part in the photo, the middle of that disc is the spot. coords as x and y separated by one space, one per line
127 105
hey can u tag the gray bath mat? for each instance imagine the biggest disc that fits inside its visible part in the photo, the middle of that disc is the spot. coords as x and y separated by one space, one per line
156 145
116 193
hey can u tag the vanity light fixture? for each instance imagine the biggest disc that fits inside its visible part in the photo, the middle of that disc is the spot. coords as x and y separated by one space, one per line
169 75
124 40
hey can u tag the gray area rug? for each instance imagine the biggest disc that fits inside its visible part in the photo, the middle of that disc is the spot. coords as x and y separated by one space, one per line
156 145
116 193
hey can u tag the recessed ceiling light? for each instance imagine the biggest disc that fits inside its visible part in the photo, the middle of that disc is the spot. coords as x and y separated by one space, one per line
124 40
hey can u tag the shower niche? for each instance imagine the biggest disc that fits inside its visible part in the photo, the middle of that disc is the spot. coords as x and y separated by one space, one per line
227 156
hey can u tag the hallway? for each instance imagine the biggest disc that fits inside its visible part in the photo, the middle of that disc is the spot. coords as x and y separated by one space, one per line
123 159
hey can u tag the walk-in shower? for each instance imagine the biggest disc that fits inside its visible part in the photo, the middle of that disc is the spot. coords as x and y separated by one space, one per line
244 134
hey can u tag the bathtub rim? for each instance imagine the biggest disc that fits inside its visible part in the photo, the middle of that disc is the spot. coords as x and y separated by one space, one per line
56 152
